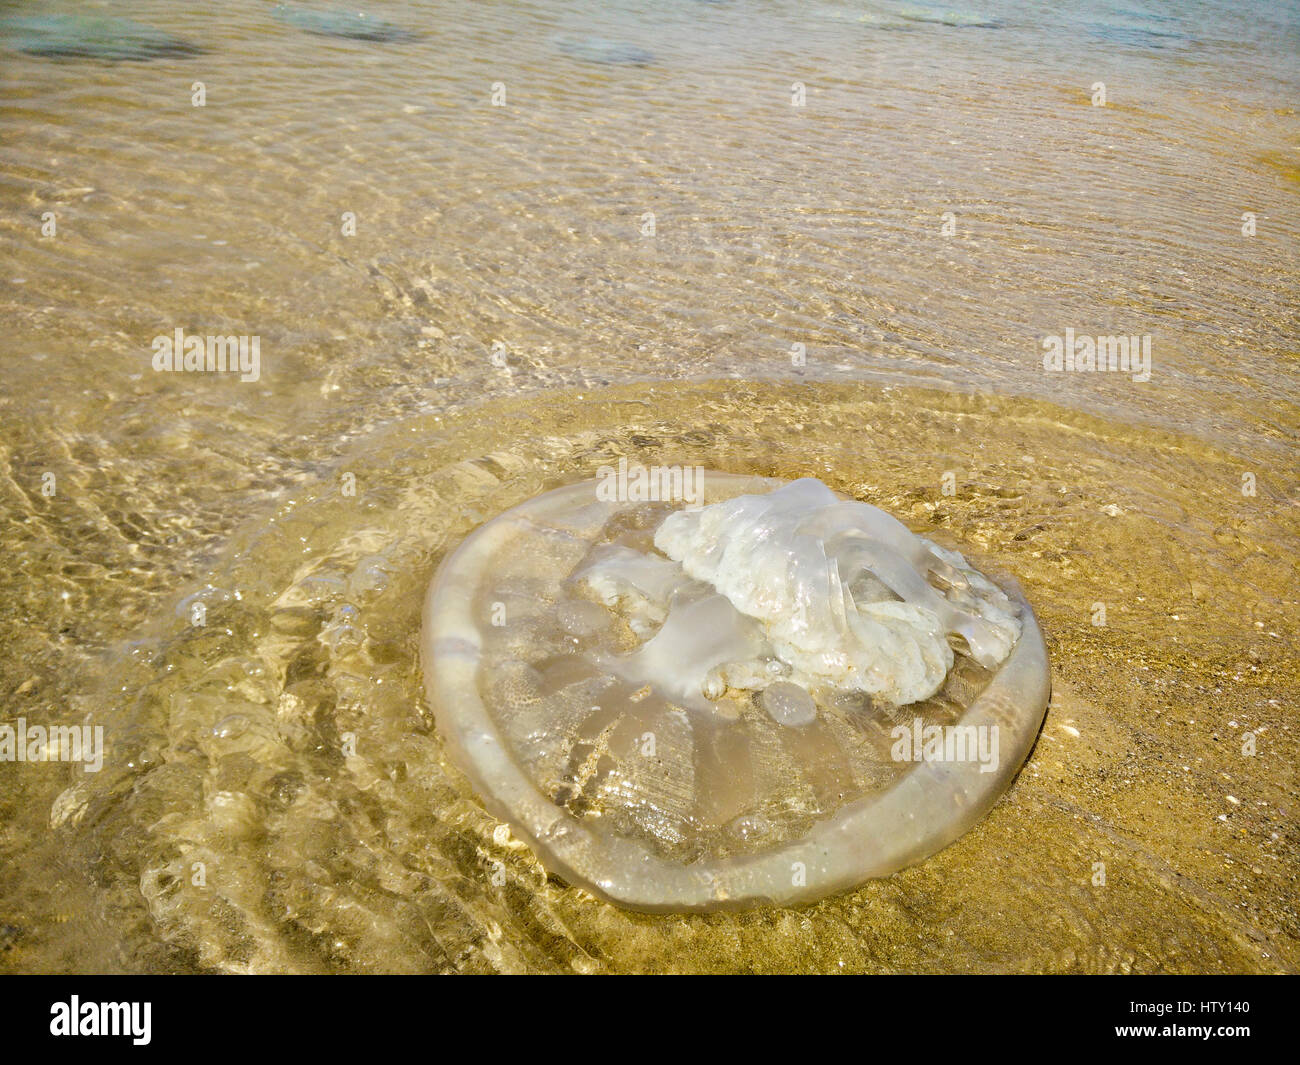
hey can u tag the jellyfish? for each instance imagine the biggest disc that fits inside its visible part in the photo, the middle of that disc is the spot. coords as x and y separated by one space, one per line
764 696
348 24
600 50
92 37
1135 36
950 18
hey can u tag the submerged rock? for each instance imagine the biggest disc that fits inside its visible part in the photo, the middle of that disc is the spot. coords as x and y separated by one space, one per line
92 37
352 25
745 662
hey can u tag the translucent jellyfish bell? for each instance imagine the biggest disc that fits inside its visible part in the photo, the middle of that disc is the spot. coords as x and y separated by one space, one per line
766 697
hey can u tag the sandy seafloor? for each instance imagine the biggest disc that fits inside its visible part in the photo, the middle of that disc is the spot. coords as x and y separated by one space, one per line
523 225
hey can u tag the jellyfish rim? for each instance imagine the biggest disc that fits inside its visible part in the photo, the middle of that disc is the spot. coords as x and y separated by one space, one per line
866 839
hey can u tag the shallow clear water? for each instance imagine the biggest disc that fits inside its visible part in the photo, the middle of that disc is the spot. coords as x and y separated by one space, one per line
523 226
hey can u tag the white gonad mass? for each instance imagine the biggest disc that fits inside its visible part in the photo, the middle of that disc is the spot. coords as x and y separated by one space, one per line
762 647
840 591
